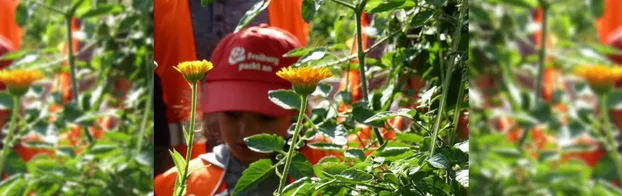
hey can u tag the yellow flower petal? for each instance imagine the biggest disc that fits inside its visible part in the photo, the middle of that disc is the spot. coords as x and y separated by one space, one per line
599 77
304 79
19 80
193 71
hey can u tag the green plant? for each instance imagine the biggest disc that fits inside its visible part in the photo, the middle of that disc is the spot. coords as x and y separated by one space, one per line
418 160
61 156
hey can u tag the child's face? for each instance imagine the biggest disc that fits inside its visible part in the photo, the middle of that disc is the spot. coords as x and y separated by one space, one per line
235 126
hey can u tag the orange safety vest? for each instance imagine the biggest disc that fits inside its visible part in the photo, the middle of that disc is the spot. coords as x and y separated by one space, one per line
209 181
174 43
8 28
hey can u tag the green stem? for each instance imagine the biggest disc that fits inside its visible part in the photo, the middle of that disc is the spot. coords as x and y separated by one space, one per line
72 63
9 137
340 2
541 54
450 68
361 58
611 143
148 109
457 110
190 138
292 147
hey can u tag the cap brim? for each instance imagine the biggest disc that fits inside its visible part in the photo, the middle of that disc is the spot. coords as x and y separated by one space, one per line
249 96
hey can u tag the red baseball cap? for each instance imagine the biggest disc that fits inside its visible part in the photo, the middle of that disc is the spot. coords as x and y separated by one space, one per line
245 66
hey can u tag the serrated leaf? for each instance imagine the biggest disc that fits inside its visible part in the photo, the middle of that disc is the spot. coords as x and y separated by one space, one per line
301 167
265 143
332 168
360 113
256 172
287 99
325 146
409 137
299 187
252 13
337 133
462 177
101 10
439 161
355 154
355 176
322 90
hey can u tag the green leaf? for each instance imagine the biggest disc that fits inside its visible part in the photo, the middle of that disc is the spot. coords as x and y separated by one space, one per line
22 14
462 177
361 113
180 163
265 143
381 116
252 13
322 90
14 164
145 158
598 8
420 18
309 8
344 96
14 185
439 161
325 146
337 133
252 176
355 176
409 137
392 151
436 2
287 99
299 187
332 168
614 99
6 101
206 2
300 167
463 146
71 112
117 136
604 169
298 52
355 154
314 55
101 10
375 6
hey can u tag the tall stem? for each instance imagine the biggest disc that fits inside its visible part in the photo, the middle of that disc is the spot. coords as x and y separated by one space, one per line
541 54
361 58
457 111
450 68
9 137
292 147
190 138
148 108
611 143
361 55
72 63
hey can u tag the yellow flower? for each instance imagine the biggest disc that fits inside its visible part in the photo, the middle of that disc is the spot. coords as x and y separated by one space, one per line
19 80
600 78
304 79
193 71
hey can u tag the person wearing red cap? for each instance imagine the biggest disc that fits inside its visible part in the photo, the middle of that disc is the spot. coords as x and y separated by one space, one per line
236 92
185 31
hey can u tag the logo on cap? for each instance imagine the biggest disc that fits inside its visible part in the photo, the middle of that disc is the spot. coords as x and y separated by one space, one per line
237 55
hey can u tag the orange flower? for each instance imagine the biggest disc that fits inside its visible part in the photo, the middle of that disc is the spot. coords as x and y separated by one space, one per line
304 79
19 80
193 71
600 78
